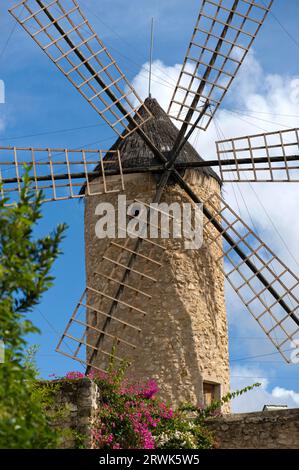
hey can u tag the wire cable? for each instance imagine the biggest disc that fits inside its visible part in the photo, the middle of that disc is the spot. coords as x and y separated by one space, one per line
10 35
259 119
130 45
258 356
293 39
57 131
57 333
8 168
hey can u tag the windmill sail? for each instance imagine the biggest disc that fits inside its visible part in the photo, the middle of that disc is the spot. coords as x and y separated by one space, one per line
81 334
59 173
108 319
271 157
65 35
266 286
223 35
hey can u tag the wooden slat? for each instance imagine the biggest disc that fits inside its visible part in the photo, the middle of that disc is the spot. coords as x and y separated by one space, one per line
57 172
131 269
123 284
269 289
131 307
117 245
283 144
208 71
118 320
84 60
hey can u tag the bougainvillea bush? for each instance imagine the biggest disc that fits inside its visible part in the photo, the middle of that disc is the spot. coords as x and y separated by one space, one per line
132 416
129 416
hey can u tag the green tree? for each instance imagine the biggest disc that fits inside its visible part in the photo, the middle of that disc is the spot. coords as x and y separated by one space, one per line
25 265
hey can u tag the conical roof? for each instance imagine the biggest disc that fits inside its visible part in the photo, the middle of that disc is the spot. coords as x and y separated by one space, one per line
160 129
163 133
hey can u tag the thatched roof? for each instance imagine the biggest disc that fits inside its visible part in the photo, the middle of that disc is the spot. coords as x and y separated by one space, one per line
163 133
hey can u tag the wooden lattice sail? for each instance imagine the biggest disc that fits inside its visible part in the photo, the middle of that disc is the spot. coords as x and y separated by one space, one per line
223 35
270 157
112 306
265 285
63 32
59 173
103 323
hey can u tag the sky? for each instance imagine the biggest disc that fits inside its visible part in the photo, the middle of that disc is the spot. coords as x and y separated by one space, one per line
43 110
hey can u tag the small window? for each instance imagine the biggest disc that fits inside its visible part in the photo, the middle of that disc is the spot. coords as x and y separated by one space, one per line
211 392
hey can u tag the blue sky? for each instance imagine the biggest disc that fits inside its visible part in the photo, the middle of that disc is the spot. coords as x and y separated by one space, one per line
42 109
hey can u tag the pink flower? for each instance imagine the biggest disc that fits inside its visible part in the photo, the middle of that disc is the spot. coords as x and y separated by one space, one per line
97 434
74 375
132 406
96 374
150 389
116 446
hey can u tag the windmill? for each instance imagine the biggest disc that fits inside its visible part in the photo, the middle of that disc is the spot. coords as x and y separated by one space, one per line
161 306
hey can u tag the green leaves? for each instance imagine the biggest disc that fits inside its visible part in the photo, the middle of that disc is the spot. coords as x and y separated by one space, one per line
216 405
209 412
25 274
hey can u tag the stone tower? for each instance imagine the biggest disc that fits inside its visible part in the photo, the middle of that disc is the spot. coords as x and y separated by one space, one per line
184 341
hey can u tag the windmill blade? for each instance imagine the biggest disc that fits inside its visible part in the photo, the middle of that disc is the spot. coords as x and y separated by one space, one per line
270 157
65 35
59 173
80 335
223 35
266 286
111 313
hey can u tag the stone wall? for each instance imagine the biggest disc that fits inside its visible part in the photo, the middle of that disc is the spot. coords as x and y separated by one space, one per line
266 430
76 400
183 340
262 430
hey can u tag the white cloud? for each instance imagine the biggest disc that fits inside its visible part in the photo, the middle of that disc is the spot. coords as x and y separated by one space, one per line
257 102
242 376
284 394
164 79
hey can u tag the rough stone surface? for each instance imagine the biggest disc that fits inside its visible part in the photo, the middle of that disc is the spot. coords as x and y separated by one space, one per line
184 338
266 430
263 430
76 399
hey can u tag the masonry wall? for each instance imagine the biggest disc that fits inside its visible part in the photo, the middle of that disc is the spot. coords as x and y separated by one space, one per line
266 430
183 340
77 401
262 430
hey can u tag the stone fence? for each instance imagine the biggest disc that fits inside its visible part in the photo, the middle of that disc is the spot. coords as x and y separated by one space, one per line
78 399
263 430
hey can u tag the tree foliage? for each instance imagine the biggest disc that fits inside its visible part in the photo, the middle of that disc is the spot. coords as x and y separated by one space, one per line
25 275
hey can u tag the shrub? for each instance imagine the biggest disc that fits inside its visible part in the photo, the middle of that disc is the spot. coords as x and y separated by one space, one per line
131 416
25 265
